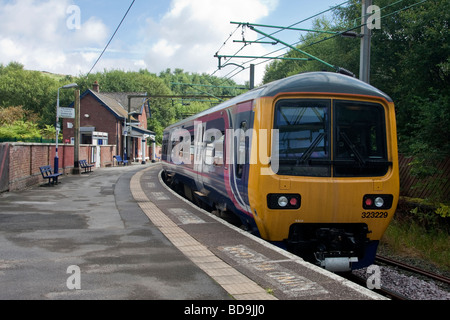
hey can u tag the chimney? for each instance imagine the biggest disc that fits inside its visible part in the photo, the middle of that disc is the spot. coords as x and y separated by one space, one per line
96 87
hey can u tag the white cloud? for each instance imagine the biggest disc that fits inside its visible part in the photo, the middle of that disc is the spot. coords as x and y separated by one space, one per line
9 49
191 32
92 32
164 46
35 33
32 20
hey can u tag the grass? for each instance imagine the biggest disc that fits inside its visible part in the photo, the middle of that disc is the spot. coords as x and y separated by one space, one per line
410 239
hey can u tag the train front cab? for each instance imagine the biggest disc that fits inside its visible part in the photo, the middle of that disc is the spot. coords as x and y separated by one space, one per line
334 189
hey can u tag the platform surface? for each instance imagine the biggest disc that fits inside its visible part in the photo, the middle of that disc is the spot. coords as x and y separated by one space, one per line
119 233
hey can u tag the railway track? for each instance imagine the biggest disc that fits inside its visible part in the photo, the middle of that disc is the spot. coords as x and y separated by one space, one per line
400 281
413 269
362 281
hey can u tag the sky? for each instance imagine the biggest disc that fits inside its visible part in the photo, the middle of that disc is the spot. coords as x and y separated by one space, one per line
68 36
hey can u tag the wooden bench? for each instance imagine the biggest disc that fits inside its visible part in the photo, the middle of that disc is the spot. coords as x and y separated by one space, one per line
120 160
84 165
47 173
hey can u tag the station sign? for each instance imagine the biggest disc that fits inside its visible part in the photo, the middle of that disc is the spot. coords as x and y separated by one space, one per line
68 113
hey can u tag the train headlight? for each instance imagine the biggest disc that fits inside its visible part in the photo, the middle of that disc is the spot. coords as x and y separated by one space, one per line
379 202
282 201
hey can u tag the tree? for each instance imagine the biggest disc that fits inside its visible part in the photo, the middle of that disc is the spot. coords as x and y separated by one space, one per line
335 50
30 89
11 114
36 92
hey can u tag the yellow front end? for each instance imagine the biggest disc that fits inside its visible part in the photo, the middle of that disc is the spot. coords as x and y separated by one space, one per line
322 199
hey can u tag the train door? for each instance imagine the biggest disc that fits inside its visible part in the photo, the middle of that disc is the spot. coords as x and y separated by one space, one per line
199 130
241 156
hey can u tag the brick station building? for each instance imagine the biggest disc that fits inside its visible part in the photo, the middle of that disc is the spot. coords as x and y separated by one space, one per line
103 119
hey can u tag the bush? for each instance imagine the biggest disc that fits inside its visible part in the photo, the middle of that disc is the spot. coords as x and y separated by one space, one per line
20 130
431 217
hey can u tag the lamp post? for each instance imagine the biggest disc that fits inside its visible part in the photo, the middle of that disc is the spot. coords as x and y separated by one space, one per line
56 161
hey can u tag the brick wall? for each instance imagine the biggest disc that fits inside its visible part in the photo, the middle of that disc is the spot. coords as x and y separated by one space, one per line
107 154
20 162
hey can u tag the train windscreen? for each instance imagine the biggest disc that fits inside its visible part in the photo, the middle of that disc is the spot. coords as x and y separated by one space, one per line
360 139
303 133
306 127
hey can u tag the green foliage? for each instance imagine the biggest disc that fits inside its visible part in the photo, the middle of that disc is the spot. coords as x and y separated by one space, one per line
36 92
427 139
430 215
26 131
184 83
412 240
338 51
11 114
419 230
30 89
189 107
49 132
443 210
22 130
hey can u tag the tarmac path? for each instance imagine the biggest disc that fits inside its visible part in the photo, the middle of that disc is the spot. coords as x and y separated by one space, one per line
87 238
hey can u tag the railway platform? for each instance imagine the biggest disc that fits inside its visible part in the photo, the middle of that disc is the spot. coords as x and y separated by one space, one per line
120 234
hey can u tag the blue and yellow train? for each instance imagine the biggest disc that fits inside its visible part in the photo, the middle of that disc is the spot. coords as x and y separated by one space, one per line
308 162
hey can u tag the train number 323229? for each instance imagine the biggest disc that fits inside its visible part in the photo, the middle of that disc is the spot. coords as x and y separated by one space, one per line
376 214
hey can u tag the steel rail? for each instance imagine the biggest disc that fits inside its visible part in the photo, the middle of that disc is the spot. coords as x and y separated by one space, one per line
412 269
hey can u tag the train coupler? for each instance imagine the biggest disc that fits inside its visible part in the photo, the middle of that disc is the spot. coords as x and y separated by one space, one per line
336 264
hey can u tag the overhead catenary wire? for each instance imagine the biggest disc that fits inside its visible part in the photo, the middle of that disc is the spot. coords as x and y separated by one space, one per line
326 38
275 32
112 37
231 34
342 32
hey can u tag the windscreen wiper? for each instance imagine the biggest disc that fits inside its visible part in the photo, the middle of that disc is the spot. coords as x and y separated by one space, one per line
352 147
305 157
